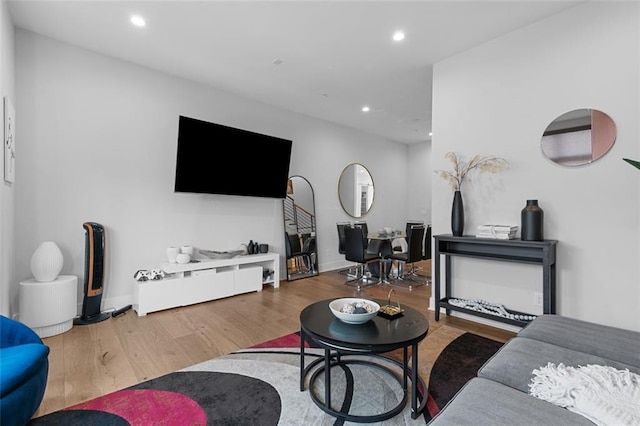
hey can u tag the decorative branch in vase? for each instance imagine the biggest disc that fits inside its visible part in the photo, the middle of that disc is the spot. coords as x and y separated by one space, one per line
461 172
634 163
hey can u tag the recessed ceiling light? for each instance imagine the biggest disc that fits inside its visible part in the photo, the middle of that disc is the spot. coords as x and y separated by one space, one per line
430 133
138 21
398 36
365 109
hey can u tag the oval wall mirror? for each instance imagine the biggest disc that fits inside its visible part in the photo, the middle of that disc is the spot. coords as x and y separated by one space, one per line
356 190
578 137
300 229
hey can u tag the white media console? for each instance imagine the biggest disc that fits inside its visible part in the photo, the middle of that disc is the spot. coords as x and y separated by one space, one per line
204 280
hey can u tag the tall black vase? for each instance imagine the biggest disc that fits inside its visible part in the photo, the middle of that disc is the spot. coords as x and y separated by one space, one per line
532 218
457 215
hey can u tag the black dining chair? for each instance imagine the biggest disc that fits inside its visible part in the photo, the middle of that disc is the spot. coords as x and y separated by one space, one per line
294 251
413 254
408 226
356 251
309 247
365 231
426 252
349 271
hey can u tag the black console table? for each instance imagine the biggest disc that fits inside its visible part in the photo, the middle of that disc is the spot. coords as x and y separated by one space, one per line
537 252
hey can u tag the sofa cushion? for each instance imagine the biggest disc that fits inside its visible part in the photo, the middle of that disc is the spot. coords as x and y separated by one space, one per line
601 340
514 363
484 402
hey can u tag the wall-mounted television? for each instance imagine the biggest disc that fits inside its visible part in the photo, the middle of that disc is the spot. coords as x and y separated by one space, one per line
217 159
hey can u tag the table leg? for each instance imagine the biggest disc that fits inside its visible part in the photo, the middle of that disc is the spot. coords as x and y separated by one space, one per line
414 381
405 361
327 378
301 360
436 282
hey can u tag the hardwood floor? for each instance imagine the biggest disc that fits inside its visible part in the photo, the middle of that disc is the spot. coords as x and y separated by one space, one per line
93 360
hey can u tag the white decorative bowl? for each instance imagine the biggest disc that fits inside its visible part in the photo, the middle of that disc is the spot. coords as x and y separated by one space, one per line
183 258
338 307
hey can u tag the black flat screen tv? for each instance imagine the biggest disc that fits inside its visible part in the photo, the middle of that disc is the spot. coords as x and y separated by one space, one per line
217 159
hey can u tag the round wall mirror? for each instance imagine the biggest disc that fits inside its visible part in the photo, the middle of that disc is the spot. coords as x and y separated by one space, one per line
578 137
356 190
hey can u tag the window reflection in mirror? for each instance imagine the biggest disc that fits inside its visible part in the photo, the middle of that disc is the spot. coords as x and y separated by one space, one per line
356 190
578 137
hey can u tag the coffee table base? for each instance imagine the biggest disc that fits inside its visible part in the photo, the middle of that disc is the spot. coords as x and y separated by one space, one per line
338 360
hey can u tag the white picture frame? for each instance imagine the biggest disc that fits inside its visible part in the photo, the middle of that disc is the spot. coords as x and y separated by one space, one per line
9 141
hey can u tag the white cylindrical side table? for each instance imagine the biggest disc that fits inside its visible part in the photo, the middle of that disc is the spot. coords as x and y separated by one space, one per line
49 307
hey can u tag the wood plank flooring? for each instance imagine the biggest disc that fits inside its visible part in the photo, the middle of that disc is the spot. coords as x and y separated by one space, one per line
93 360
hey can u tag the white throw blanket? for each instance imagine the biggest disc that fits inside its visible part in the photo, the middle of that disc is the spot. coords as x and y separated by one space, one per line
602 394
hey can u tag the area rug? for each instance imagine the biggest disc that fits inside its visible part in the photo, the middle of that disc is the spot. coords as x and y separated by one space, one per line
458 363
261 386
255 386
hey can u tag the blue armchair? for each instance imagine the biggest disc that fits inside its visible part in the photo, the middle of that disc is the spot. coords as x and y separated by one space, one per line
24 367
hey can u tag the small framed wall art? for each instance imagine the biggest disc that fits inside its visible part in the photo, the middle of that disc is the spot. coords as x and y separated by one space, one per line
9 141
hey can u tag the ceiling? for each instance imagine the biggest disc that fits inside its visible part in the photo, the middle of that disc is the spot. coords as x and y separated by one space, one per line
325 59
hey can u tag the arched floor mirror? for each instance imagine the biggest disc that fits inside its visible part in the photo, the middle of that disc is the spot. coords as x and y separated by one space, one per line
300 229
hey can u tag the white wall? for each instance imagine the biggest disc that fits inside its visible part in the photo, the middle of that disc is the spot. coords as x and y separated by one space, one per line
419 175
497 99
7 88
98 141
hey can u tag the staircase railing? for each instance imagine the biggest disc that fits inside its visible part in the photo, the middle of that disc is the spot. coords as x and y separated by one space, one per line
295 216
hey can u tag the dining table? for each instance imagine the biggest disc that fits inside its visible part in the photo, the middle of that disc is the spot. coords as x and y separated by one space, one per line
380 243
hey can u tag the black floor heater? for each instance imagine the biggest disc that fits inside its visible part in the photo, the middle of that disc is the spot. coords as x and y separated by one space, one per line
93 274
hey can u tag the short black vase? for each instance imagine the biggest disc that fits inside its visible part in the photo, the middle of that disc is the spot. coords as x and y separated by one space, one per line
457 215
532 218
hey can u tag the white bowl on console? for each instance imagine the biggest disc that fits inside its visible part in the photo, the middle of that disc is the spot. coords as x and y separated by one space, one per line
342 309
183 258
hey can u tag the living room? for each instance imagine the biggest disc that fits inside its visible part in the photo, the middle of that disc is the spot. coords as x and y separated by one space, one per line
97 142
111 128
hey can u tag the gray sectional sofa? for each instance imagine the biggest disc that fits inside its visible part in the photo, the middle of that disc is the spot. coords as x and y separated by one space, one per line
499 395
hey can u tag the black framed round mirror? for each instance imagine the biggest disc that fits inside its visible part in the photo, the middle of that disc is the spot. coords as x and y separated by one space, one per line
356 190
578 137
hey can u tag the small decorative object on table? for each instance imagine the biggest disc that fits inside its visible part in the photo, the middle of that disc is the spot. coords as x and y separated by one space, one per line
211 254
354 310
498 232
532 222
390 311
489 308
172 253
460 172
145 275
47 262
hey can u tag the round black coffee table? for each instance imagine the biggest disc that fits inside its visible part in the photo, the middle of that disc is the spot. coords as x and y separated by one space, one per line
372 339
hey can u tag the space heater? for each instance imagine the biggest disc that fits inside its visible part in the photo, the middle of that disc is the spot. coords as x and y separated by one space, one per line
94 266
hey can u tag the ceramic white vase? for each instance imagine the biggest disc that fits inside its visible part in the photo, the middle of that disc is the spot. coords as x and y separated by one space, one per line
172 254
46 262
